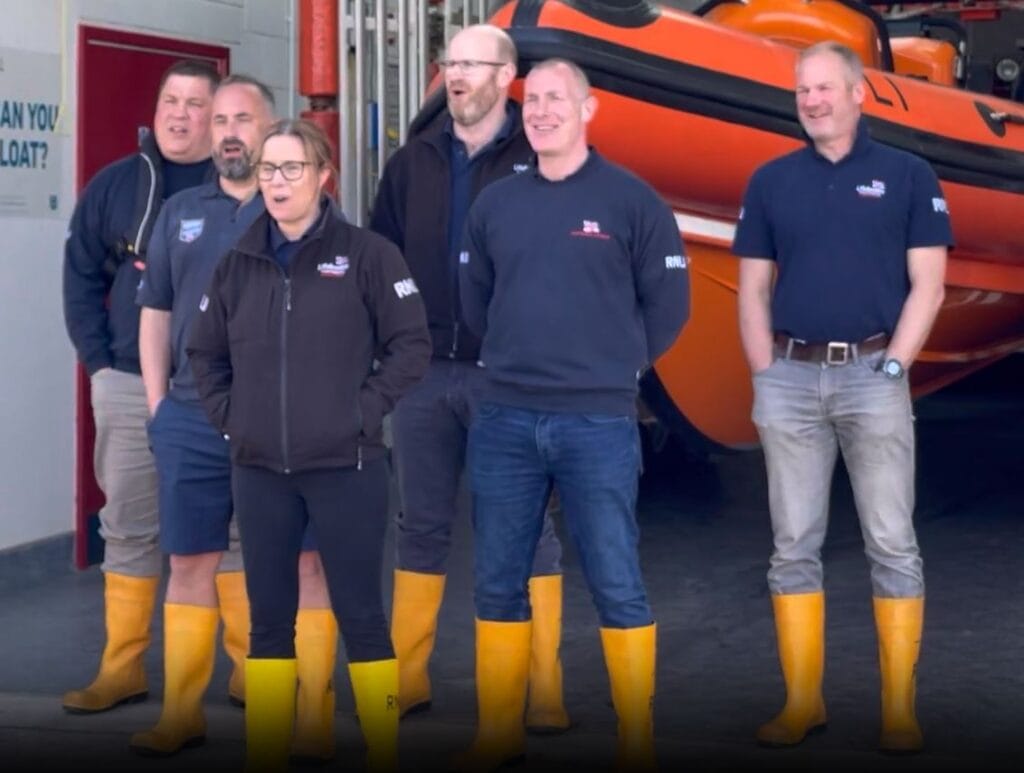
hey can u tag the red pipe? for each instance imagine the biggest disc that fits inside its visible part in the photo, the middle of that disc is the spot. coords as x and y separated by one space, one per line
318 48
318 70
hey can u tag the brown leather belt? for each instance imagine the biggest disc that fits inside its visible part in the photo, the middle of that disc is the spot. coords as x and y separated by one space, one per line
831 353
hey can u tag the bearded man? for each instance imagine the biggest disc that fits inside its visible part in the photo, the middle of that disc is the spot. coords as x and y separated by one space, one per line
424 196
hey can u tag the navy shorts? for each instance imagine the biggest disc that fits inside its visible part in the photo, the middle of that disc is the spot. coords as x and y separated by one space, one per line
193 463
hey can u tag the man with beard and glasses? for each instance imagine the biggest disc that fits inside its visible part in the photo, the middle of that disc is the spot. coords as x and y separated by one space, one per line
194 230
424 195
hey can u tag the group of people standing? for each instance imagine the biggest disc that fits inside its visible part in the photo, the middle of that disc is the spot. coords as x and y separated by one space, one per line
510 291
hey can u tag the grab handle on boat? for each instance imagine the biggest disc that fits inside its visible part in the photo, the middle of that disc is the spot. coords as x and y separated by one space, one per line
1005 117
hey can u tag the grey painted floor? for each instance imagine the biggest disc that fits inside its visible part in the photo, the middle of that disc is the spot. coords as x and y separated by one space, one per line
705 547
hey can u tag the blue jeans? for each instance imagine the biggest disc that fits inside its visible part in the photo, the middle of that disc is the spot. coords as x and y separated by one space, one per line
515 456
806 414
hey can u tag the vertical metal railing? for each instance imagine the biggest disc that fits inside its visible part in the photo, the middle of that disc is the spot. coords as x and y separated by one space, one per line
385 51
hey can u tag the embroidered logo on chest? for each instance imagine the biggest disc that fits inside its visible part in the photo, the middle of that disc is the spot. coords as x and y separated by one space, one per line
591 230
335 270
874 191
190 230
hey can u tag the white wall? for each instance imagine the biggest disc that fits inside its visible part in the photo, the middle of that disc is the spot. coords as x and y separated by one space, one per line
37 378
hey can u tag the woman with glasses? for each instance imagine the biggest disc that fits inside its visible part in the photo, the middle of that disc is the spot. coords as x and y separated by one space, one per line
309 333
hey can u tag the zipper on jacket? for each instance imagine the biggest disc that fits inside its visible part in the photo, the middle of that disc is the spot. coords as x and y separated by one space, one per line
359 456
284 372
149 202
455 339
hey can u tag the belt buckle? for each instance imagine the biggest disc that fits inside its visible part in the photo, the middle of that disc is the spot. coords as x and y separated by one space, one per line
837 353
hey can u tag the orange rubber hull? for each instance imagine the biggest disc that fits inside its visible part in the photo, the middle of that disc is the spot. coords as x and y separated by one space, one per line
694 108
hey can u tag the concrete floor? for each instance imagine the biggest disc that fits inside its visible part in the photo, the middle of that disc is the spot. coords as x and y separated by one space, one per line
706 541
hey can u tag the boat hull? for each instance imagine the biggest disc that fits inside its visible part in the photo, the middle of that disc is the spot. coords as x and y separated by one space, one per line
694 108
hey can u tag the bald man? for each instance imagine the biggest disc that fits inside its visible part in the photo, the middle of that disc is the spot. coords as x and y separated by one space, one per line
425 193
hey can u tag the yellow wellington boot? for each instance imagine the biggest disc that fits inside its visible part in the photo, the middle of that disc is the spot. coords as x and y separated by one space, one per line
375 687
316 654
269 713
502 673
414 608
234 612
899 623
630 654
545 710
128 607
800 628
190 637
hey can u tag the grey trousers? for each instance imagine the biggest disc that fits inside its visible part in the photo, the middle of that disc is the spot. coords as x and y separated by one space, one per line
430 425
126 473
807 412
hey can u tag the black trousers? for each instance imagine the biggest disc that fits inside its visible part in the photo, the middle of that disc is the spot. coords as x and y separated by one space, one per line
347 510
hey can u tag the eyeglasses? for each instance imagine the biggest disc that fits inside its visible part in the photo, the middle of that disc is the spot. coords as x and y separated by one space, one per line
290 170
467 65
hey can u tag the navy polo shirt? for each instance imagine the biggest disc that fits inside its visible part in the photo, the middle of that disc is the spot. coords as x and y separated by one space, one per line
461 167
194 230
285 249
839 234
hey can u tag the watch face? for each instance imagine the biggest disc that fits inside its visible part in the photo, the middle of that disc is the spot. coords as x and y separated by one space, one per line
893 369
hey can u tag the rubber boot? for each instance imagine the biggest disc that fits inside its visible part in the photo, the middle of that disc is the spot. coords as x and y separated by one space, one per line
899 623
375 688
502 673
190 637
545 709
128 608
415 604
269 713
800 627
630 654
316 654
234 613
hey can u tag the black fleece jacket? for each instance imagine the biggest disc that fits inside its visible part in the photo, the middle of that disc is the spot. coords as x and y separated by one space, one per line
412 210
285 360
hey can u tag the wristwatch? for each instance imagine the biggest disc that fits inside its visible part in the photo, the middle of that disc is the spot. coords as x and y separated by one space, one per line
893 368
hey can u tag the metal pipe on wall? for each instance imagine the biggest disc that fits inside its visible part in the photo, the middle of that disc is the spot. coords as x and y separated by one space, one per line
402 36
346 155
380 49
359 28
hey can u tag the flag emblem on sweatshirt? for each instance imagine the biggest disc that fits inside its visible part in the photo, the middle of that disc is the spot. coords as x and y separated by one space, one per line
590 229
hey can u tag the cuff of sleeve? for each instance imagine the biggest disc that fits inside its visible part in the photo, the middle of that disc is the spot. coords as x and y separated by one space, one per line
94 364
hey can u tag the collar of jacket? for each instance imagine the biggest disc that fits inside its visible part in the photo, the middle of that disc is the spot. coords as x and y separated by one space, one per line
256 241
434 134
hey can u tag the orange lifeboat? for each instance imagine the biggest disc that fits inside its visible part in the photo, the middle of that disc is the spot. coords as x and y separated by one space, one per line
694 104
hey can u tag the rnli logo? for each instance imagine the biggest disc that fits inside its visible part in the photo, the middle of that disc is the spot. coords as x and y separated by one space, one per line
675 261
405 287
190 230
591 229
874 191
939 205
519 168
335 270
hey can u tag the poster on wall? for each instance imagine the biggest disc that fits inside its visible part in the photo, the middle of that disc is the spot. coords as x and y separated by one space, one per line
30 145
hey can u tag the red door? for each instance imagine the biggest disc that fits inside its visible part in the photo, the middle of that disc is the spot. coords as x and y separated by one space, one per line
118 76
